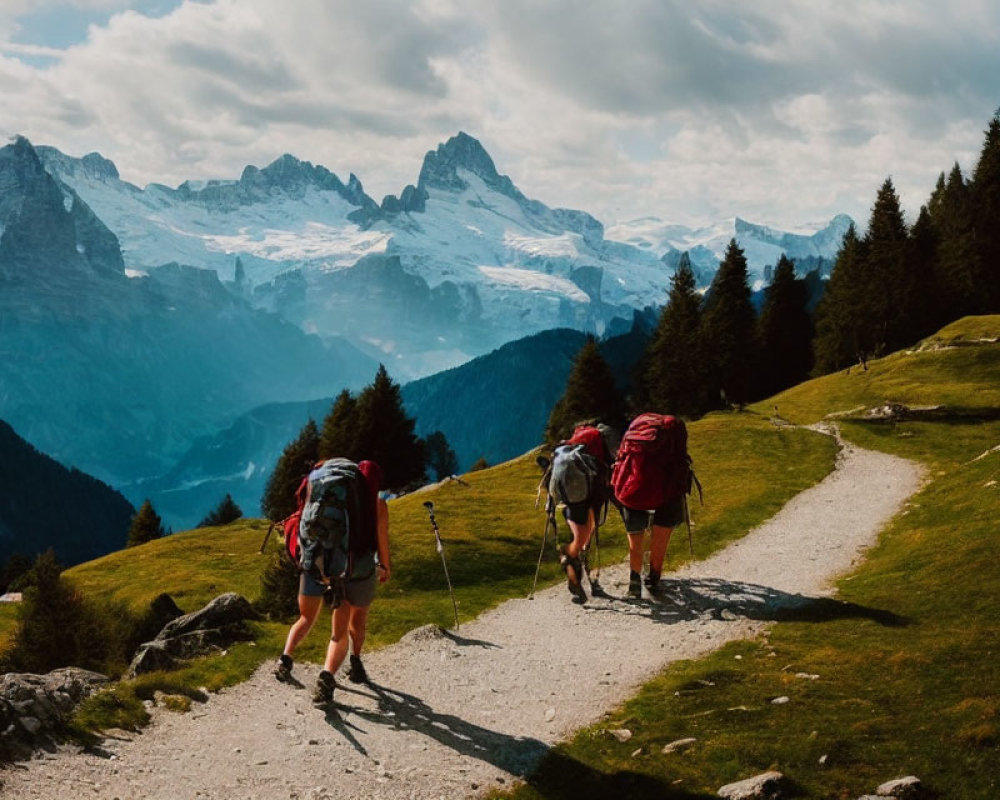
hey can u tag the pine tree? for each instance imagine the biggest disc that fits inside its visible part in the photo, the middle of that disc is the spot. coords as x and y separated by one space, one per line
950 210
729 326
339 437
591 393
786 331
227 511
292 466
671 374
384 433
440 457
840 316
146 526
985 191
923 264
889 289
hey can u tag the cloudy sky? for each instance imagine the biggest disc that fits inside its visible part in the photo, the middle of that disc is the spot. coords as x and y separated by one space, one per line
784 113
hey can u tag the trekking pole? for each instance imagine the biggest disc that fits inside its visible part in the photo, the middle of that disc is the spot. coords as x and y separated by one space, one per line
687 520
266 537
550 521
440 548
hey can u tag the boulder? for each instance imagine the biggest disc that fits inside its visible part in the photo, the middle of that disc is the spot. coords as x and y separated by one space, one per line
767 786
208 630
908 788
35 706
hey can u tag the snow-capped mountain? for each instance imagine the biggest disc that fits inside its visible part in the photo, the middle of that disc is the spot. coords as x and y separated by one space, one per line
116 375
454 267
706 246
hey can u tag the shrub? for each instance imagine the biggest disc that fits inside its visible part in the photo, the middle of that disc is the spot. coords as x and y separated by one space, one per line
279 588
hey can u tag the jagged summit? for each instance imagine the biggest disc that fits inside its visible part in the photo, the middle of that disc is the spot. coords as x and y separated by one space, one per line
441 166
47 232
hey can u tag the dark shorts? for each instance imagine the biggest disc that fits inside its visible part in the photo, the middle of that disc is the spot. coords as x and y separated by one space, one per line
669 515
578 512
359 592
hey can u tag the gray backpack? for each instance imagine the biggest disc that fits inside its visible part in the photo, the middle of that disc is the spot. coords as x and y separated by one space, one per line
331 517
574 474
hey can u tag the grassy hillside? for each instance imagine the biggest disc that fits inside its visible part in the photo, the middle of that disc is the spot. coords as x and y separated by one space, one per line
920 698
492 533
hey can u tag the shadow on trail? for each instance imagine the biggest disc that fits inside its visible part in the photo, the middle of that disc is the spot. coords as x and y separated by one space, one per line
462 641
561 777
406 712
682 600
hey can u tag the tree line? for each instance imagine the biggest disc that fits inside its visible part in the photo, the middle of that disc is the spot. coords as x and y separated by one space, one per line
888 289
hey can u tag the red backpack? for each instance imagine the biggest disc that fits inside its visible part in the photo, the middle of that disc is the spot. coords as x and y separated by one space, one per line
653 467
590 437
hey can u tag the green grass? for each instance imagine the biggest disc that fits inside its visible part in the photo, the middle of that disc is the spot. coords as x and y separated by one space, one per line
920 697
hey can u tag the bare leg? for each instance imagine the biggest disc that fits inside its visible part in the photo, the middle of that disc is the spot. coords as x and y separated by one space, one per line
635 550
581 535
336 650
308 611
658 548
358 627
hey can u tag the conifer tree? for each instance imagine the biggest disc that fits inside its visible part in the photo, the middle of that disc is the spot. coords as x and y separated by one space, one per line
292 466
729 326
985 191
840 322
440 457
889 291
923 264
385 434
950 211
227 511
672 373
591 393
338 439
786 331
146 525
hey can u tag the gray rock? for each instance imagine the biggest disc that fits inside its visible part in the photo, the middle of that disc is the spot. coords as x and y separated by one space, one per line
907 788
34 706
208 630
767 786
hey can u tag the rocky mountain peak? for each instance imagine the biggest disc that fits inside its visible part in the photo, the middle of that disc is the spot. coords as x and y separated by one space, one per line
441 166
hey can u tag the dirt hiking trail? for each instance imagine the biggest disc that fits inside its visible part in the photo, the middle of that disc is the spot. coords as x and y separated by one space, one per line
452 714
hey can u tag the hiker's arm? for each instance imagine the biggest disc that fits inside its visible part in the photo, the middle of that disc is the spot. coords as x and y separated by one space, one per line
382 532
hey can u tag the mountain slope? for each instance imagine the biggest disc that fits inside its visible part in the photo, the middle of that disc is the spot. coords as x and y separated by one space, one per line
43 504
117 375
495 406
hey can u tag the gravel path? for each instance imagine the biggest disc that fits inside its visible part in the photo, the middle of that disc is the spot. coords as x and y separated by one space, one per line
455 713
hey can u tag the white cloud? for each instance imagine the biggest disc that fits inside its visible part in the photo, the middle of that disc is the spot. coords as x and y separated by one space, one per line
783 113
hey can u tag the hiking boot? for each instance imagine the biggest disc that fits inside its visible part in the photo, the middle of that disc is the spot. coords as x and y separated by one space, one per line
573 568
356 672
653 583
634 584
323 693
283 671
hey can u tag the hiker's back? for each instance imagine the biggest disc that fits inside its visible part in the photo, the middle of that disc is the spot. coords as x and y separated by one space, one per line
652 467
335 533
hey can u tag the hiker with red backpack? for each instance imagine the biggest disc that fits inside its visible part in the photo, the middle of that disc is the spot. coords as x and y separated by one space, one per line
651 479
339 537
576 477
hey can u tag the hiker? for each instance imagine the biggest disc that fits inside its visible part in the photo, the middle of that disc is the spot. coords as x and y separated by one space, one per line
350 595
578 479
651 477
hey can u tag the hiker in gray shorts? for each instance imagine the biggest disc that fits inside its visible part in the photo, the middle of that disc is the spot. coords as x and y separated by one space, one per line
350 599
